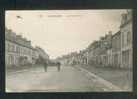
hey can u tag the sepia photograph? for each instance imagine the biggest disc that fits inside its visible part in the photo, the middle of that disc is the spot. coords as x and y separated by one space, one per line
69 50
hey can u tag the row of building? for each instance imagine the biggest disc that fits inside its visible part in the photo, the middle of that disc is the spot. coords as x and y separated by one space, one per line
19 51
112 50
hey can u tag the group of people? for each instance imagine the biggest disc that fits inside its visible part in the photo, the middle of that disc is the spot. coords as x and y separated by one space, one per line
46 66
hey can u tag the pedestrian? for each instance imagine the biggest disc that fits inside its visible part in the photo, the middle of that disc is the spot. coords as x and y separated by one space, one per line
58 64
45 66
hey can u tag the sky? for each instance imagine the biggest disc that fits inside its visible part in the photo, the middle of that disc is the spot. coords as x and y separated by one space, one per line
60 32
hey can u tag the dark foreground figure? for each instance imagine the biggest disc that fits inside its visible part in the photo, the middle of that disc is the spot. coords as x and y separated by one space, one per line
45 66
58 65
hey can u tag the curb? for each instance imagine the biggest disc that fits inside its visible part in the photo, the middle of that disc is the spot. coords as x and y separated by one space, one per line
108 84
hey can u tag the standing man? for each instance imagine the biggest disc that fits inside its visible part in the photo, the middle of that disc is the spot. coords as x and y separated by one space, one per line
45 65
58 64
43 62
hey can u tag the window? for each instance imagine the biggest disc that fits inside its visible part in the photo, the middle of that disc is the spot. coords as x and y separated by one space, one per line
123 40
8 47
13 49
18 49
128 38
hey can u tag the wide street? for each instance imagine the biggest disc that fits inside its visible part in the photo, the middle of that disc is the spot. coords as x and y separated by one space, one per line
68 79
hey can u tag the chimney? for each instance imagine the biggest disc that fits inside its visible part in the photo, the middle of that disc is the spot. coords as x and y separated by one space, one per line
124 18
129 11
110 33
19 36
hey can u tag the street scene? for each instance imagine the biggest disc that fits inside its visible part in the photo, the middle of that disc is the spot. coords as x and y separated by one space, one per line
69 51
69 79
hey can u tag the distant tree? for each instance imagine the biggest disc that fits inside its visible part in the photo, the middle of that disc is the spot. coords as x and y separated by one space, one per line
23 60
40 60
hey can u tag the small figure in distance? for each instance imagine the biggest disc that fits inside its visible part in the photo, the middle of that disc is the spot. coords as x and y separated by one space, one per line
43 62
58 64
45 65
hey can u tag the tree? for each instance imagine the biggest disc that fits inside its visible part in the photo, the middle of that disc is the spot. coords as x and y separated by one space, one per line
40 60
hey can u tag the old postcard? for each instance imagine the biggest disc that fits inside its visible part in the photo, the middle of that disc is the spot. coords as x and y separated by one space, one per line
69 50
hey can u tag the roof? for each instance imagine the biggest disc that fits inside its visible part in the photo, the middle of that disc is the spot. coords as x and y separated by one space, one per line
12 37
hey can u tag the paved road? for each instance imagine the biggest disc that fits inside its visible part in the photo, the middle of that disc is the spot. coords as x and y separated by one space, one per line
69 79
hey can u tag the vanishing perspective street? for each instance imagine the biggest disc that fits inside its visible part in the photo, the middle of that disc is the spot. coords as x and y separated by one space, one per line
68 79
69 50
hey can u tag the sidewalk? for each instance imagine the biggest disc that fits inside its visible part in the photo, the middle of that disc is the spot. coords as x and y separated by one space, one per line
118 77
14 69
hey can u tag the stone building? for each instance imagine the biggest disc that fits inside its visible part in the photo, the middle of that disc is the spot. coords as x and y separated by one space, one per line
126 40
111 50
109 57
93 53
18 50
116 49
66 59
90 50
83 57
105 49
41 53
99 51
72 58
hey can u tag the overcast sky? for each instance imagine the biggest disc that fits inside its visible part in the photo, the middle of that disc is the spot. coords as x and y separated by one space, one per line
60 32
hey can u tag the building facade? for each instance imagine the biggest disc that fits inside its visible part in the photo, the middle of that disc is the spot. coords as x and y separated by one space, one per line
41 53
112 50
106 45
126 40
18 50
116 50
